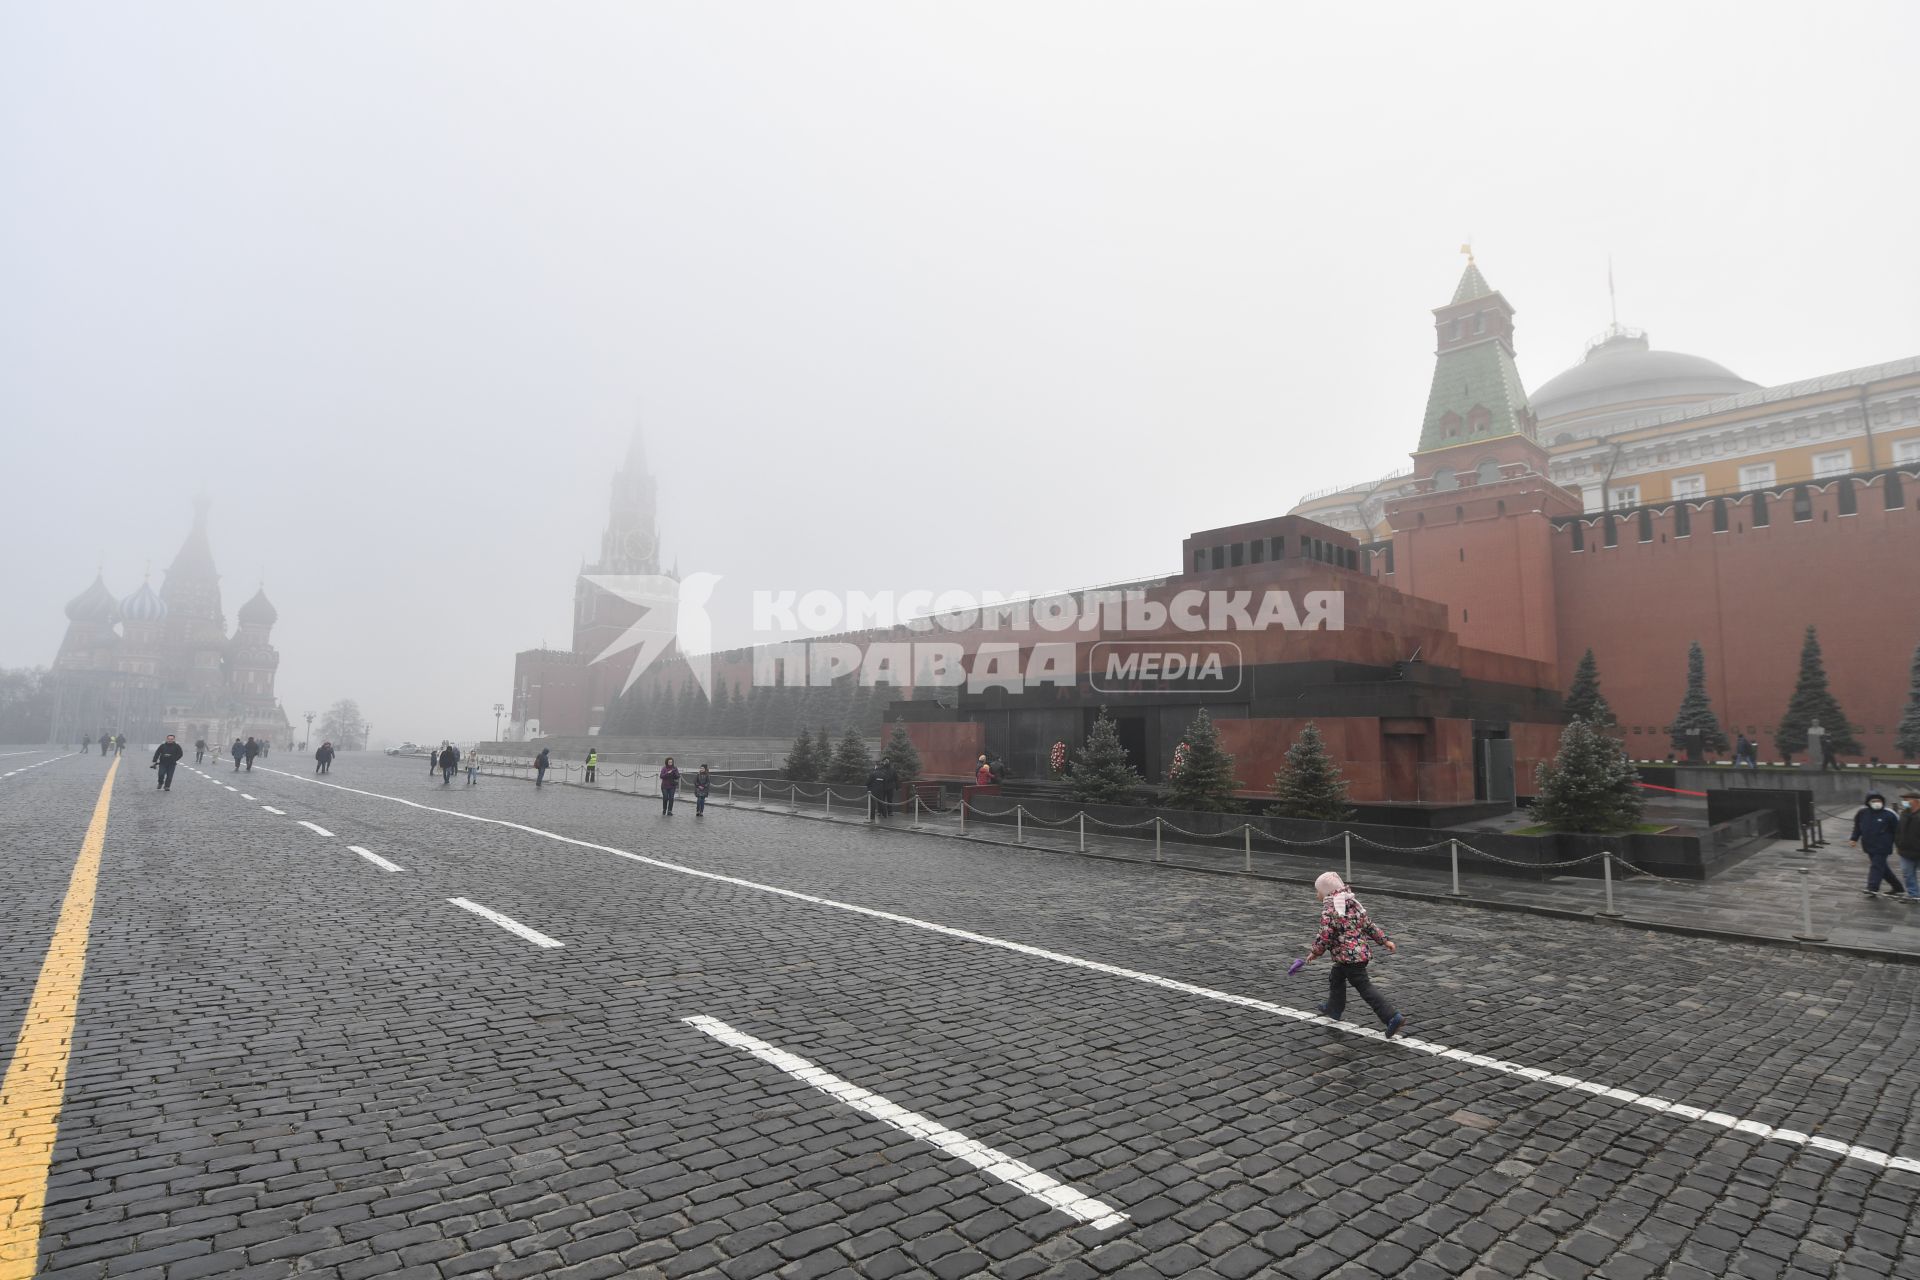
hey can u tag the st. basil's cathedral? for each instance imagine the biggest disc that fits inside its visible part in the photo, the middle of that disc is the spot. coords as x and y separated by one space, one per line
157 662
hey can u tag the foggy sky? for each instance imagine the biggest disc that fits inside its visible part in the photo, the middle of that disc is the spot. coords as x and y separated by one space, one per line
977 296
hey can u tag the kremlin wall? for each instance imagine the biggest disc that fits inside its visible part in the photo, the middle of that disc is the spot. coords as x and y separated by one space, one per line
1640 502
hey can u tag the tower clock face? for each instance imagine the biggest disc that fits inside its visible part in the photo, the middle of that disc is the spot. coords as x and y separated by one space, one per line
637 547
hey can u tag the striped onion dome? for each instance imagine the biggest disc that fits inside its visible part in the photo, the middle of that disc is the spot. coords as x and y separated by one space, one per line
144 605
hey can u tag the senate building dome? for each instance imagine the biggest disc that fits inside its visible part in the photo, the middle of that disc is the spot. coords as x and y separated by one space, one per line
1620 377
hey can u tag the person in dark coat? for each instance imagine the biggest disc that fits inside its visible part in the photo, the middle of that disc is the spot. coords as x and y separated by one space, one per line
119 743
165 757
84 744
239 751
593 762
669 785
199 750
323 758
106 744
1906 841
252 749
879 793
1874 829
702 785
433 762
541 763
449 761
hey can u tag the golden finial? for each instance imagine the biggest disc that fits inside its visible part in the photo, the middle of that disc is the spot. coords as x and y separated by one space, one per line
1467 249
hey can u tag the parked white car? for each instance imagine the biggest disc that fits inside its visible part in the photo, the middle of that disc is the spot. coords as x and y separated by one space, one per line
405 749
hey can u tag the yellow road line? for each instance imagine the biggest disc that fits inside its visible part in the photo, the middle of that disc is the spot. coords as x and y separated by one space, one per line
37 1077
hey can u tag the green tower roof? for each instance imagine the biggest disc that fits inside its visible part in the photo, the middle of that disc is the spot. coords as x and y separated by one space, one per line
1476 374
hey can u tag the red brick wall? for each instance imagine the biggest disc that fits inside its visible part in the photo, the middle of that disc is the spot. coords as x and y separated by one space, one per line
948 750
1748 595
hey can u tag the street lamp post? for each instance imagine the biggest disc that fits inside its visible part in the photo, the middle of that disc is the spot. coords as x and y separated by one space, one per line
309 730
498 707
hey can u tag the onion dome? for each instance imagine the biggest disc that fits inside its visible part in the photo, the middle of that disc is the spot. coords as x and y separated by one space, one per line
259 611
144 605
95 604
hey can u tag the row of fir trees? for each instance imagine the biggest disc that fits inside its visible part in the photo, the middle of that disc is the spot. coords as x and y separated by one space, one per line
738 710
1812 701
814 759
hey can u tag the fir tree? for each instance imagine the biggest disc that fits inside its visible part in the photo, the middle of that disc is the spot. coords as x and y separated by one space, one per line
1590 786
1100 772
822 751
1812 701
1696 711
1907 738
1202 773
802 764
901 751
1310 785
1584 700
851 761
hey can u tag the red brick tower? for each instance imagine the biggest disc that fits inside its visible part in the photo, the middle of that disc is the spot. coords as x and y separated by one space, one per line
1477 537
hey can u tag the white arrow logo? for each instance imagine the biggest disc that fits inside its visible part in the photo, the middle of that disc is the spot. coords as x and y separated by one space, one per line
671 610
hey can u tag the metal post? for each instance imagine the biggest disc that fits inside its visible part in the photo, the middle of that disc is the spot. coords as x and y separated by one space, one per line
1806 933
916 809
1246 836
963 813
1606 872
1454 851
1156 839
829 789
1083 831
1346 839
1019 824
729 790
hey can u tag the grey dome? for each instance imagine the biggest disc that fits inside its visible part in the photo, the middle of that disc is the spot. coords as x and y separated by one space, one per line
259 611
95 604
1623 369
144 605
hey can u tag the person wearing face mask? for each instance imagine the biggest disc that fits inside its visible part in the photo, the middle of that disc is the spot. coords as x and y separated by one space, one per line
1875 829
1907 842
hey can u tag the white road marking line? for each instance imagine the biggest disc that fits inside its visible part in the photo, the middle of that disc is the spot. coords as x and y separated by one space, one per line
994 1163
319 831
245 796
229 788
270 809
1866 1155
375 859
508 923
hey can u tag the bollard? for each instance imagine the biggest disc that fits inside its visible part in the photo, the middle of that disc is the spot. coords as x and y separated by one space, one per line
1806 837
1453 847
1019 825
760 792
1246 836
963 813
729 790
1346 839
829 800
1156 839
1820 832
1606 873
1806 933
1083 831
916 809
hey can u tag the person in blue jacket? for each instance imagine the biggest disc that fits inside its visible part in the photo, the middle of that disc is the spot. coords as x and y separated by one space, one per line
1874 829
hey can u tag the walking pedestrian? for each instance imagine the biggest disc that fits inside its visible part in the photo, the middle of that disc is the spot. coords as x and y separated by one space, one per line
323 758
593 759
1743 753
239 750
433 762
1828 758
106 744
473 768
252 749
1874 829
1907 841
669 784
119 743
449 761
84 744
1345 927
540 765
702 784
199 750
165 757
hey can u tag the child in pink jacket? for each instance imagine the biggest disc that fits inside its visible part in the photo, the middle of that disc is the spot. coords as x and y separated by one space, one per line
1344 930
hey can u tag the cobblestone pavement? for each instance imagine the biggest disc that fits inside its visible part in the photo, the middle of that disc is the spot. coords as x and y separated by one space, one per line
1760 896
290 1060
